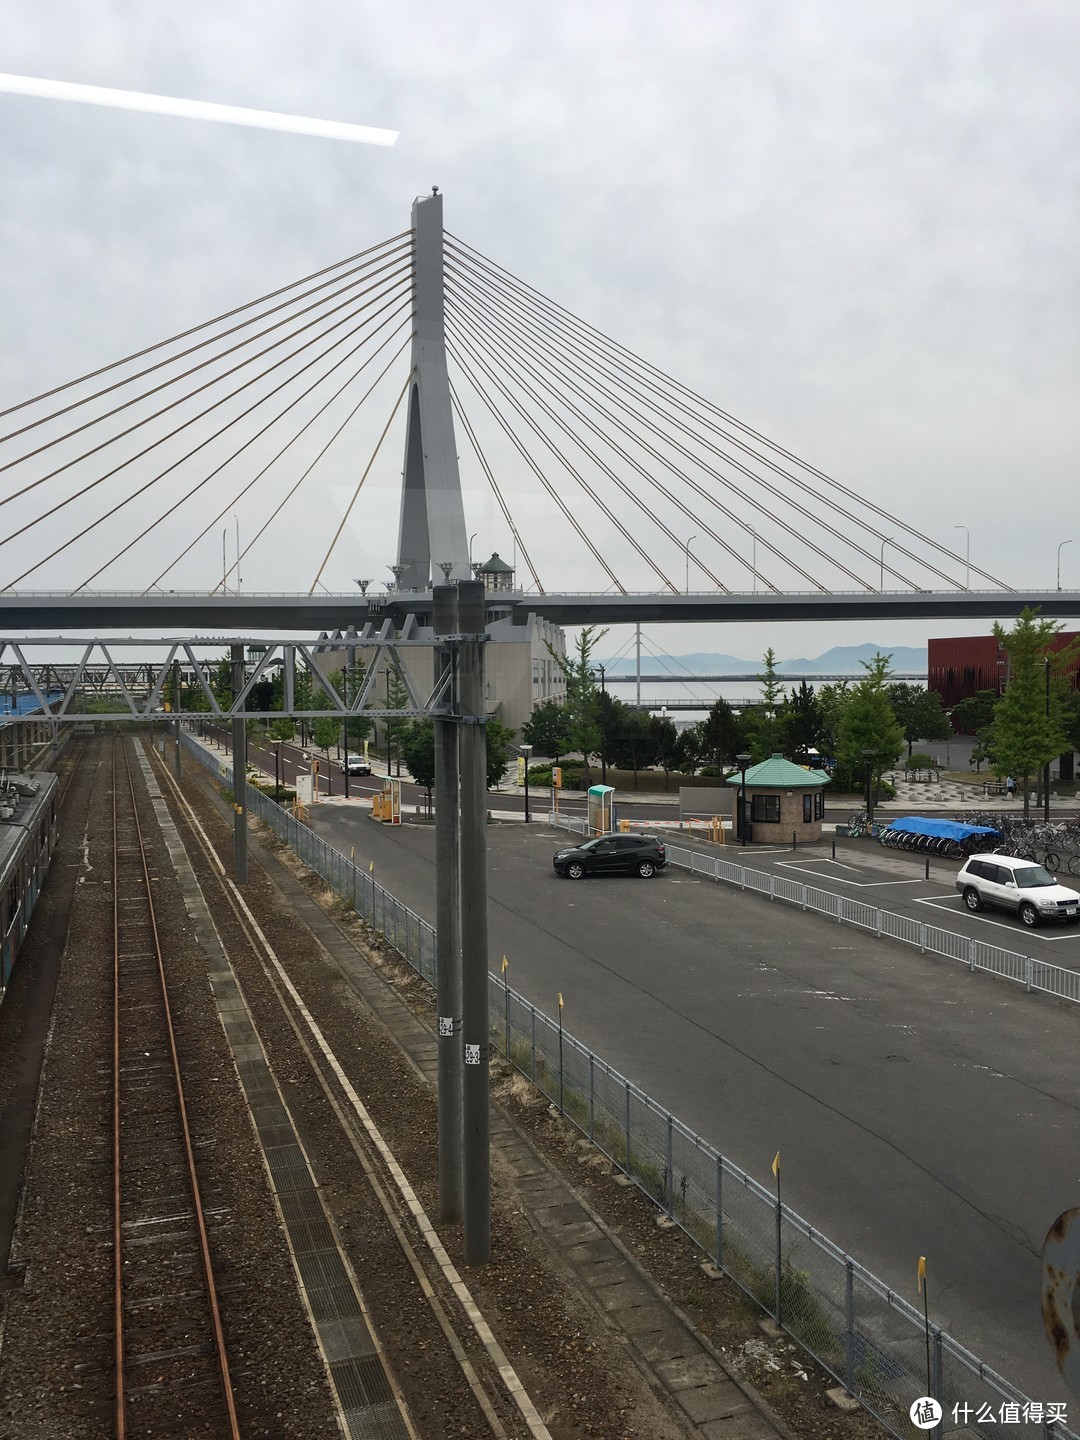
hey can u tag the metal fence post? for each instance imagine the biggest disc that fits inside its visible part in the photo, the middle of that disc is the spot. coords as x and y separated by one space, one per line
779 1266
971 954
1029 971
533 1009
922 937
719 1210
849 1323
670 1175
627 1125
592 1094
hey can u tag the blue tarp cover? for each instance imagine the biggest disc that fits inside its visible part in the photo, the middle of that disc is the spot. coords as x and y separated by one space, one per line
947 829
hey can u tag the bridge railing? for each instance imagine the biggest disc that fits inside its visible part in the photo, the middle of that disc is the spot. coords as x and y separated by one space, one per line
858 1329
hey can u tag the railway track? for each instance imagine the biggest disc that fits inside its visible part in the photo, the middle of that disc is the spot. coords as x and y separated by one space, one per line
169 1347
503 1406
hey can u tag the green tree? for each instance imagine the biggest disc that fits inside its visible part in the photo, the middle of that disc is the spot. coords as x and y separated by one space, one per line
761 722
283 729
348 682
868 723
500 744
582 694
397 698
418 751
720 735
664 739
547 730
975 713
918 713
833 700
1029 722
801 723
632 745
692 748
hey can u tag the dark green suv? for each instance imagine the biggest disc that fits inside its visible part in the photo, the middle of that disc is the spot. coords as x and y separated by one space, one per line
612 855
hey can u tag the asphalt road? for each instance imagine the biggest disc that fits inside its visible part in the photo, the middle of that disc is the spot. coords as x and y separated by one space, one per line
919 1109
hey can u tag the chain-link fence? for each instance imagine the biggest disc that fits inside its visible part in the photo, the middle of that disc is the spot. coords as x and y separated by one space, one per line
864 1334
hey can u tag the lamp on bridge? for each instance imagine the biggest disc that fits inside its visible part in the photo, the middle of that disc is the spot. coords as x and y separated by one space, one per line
868 756
742 761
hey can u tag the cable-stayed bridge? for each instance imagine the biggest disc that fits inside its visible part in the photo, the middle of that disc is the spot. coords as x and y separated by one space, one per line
267 443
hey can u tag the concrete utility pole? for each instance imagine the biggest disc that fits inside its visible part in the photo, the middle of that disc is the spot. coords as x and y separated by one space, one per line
448 918
176 717
472 861
239 739
432 514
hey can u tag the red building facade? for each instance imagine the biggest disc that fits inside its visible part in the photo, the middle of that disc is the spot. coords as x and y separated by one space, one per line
957 668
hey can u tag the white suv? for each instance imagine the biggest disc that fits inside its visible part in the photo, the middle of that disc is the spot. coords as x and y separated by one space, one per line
1021 886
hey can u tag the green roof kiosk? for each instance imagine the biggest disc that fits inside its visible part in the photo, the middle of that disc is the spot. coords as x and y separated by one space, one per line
785 802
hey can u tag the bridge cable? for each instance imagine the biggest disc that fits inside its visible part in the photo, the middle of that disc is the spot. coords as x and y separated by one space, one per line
208 385
708 469
476 258
195 329
698 489
194 369
620 484
360 482
532 464
796 534
306 472
194 489
190 453
314 340
459 411
571 470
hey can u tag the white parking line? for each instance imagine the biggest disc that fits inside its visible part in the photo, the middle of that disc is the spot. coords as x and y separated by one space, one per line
842 880
935 902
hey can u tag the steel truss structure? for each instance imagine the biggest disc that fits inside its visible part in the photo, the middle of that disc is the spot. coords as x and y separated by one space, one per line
139 688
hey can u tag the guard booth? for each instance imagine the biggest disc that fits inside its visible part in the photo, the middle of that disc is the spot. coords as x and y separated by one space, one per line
386 804
784 802
601 809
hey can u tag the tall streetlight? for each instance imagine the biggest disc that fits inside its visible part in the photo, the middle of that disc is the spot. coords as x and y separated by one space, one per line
277 769
238 580
742 761
527 750
881 582
753 562
1060 547
868 756
967 556
1046 767
694 537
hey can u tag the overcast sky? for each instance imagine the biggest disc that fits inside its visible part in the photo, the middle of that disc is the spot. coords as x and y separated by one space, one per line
853 226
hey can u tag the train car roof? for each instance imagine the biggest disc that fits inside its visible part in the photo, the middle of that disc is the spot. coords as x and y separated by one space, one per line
23 796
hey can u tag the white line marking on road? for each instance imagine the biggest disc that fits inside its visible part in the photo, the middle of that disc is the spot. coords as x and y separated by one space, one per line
935 902
856 884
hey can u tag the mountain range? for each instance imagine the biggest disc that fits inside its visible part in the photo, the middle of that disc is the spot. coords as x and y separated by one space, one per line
840 660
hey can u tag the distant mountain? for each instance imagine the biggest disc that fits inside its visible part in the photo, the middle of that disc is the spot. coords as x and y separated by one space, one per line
840 660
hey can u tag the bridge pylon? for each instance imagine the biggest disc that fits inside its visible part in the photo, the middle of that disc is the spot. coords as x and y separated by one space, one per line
432 529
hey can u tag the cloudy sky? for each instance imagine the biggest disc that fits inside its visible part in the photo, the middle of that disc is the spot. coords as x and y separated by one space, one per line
852 226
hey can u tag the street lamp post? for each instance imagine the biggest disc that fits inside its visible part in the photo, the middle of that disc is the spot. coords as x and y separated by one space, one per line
277 770
694 537
967 556
1060 547
753 563
603 732
868 756
1046 767
527 750
742 761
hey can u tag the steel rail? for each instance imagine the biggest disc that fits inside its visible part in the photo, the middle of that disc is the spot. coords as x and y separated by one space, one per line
189 1149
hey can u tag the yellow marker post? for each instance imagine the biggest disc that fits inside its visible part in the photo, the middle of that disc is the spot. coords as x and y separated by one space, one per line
926 1316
